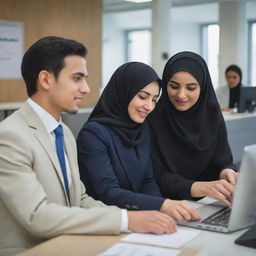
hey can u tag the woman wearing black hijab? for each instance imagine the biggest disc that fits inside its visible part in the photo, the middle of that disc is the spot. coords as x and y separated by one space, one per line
114 145
228 96
233 76
190 152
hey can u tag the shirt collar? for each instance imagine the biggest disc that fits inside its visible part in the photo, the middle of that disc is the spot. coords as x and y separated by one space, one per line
48 120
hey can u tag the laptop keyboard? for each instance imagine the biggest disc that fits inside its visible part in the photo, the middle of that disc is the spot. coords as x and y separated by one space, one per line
219 218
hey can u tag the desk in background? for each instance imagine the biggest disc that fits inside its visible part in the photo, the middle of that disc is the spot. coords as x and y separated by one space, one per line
241 130
75 122
7 108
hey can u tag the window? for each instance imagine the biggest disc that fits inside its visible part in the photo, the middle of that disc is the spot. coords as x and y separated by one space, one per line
210 50
252 54
138 46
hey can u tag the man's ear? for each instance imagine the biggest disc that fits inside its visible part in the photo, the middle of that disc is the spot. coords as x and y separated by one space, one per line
45 79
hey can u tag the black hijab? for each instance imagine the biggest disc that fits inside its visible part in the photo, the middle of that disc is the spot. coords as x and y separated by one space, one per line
234 93
184 141
196 126
112 107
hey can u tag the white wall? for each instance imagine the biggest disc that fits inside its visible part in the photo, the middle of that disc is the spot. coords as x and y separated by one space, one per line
185 36
114 25
186 26
185 31
251 10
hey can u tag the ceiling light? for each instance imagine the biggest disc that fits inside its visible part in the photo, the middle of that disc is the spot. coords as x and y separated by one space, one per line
138 1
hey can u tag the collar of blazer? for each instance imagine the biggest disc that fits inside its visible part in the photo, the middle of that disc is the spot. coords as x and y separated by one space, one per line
42 135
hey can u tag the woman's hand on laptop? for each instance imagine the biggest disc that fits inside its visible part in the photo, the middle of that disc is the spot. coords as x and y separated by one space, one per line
180 210
221 190
229 175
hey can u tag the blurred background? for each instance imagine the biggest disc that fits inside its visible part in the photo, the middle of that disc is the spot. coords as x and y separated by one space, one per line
118 31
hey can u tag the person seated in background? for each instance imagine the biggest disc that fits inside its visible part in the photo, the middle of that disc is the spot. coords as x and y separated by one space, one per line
190 151
114 145
228 96
41 195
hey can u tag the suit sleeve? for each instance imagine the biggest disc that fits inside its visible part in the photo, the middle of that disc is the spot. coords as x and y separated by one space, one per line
24 197
172 185
222 157
97 171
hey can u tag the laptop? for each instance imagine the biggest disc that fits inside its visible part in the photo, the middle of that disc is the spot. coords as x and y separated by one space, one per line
242 213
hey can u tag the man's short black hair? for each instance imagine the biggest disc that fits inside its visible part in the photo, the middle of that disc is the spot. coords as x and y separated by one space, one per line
47 54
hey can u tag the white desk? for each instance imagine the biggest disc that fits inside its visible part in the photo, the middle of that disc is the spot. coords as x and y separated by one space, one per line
206 244
216 244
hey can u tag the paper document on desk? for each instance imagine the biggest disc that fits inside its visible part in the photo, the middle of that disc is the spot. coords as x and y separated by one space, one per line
174 240
122 249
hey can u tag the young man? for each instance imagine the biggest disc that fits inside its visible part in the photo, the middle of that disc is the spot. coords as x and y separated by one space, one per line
41 195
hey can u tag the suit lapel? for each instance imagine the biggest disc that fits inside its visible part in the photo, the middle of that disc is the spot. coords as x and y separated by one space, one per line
70 152
41 134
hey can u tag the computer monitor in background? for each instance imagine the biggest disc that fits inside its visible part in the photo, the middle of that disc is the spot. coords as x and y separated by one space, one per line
247 99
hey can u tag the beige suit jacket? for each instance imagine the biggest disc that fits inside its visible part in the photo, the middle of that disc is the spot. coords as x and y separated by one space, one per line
33 202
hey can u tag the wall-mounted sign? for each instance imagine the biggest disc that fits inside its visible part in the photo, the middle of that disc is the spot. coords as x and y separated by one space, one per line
11 49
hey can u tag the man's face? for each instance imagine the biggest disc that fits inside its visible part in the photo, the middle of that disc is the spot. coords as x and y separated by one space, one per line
67 91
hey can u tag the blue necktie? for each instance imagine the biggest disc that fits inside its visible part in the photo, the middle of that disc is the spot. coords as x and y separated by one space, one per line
59 141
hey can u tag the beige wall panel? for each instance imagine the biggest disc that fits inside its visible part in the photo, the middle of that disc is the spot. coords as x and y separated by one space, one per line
77 19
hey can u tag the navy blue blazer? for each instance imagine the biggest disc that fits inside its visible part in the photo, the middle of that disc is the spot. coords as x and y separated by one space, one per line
116 174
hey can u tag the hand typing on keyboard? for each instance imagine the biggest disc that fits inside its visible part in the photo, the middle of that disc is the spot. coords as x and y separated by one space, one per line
229 175
221 190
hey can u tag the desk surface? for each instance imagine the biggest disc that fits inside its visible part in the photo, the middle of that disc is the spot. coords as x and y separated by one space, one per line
10 106
81 245
232 116
206 244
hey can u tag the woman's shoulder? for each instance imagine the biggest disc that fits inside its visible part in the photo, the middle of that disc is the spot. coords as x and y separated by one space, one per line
100 130
94 125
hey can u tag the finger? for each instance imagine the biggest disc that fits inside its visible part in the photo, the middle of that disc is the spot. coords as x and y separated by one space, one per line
219 196
193 212
230 188
176 215
166 223
225 188
187 212
159 229
224 194
171 228
195 215
215 190
231 178
184 213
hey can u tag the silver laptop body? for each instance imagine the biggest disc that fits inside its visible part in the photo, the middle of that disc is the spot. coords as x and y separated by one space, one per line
243 211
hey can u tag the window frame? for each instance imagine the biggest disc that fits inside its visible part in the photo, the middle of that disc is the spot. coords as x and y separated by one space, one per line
250 25
126 40
204 43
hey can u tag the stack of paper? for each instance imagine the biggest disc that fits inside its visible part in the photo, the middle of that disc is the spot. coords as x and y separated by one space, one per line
174 240
123 249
